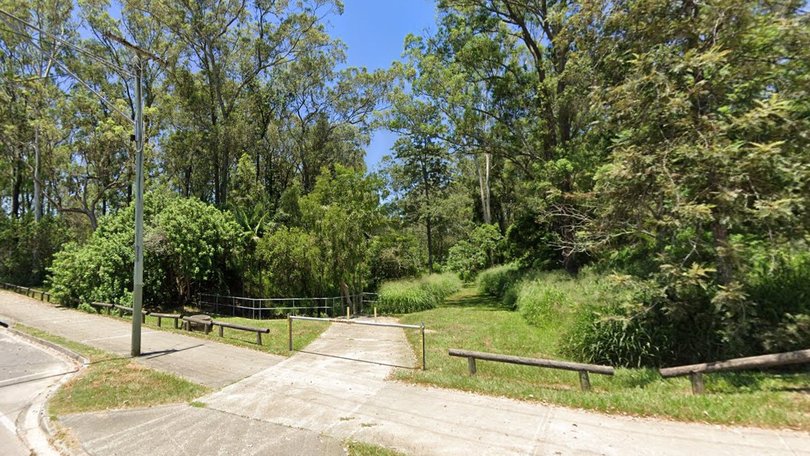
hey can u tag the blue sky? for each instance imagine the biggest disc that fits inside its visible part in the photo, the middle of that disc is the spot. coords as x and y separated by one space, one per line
374 32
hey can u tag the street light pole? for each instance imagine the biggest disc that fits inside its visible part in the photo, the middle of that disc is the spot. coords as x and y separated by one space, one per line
137 288
137 279
140 55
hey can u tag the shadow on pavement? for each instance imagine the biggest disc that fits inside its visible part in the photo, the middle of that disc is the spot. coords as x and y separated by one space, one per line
358 360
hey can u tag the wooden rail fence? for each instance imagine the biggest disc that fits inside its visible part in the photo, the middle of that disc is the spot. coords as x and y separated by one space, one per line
30 292
696 371
581 368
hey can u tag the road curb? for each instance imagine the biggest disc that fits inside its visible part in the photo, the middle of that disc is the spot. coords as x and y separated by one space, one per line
45 424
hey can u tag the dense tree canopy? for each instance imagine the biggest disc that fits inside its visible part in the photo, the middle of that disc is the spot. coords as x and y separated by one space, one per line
663 141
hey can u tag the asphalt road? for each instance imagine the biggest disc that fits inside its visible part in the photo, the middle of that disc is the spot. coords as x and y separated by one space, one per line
202 361
26 372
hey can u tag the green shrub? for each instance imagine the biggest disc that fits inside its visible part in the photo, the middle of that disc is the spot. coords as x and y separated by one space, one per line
291 261
85 307
406 296
497 281
441 285
187 247
510 298
602 319
621 329
394 254
469 256
779 291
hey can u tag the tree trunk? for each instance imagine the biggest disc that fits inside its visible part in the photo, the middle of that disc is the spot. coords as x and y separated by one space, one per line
484 188
725 271
429 243
37 187
187 181
16 189
428 224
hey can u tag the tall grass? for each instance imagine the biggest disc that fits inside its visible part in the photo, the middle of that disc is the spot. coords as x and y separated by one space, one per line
406 296
496 281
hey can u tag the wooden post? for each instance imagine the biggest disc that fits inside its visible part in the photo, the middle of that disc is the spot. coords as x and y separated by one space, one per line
348 312
424 354
258 338
221 331
158 321
584 381
289 328
375 313
471 365
697 382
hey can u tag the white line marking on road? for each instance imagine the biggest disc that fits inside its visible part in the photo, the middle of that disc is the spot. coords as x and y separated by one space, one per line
8 424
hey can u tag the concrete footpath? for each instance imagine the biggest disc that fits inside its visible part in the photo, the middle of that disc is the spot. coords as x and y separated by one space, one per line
337 390
201 361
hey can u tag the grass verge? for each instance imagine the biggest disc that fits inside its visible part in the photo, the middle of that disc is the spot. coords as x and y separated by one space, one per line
474 322
275 342
112 382
366 449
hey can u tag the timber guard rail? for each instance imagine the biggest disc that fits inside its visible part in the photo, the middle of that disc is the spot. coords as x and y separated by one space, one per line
696 371
581 368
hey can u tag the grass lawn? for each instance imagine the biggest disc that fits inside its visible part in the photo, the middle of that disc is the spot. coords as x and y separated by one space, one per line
473 322
112 382
276 341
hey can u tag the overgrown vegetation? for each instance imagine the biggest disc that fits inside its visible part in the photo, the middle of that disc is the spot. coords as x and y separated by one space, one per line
661 143
414 295
476 322
189 247
112 382
626 321
27 247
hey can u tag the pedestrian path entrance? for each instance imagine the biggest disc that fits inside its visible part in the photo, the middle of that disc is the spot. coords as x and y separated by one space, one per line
383 323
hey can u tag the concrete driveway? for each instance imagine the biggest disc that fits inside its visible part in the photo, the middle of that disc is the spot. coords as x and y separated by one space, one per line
338 389
335 389
329 391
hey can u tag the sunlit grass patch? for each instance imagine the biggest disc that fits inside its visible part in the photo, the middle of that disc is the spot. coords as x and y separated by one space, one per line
275 342
413 295
111 382
741 398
